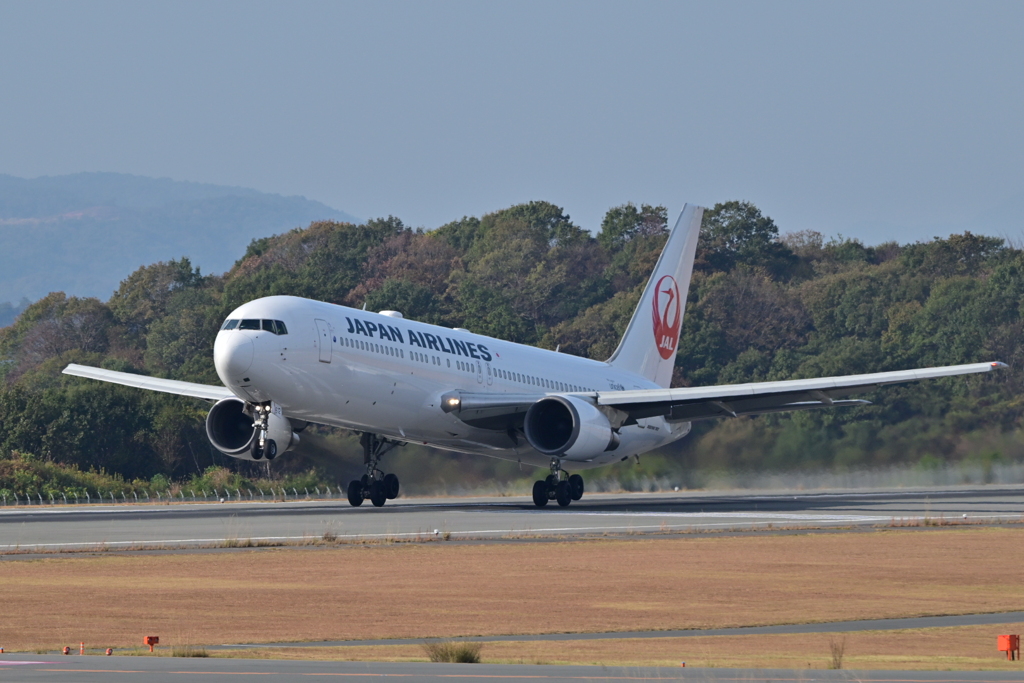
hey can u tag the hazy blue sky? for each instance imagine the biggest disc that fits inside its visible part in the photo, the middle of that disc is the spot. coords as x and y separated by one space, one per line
877 120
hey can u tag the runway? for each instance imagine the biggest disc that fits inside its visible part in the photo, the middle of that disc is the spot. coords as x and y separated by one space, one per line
33 668
180 525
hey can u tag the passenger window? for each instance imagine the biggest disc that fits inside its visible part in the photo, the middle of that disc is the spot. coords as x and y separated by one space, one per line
229 325
249 325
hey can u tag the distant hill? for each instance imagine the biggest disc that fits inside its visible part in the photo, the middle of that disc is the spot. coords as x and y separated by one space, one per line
84 233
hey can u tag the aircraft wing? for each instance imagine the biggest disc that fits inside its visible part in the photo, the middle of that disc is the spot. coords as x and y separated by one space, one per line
732 400
168 386
493 411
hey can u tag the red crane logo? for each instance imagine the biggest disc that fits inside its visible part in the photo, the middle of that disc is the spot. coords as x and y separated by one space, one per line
666 316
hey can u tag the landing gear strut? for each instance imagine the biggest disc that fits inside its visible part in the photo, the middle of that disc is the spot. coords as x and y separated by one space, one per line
262 447
374 485
558 486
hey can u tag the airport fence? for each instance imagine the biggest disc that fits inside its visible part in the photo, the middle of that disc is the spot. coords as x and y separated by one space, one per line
181 495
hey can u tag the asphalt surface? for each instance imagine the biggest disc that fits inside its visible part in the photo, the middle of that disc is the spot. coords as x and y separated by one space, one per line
17 668
819 627
85 527
171 670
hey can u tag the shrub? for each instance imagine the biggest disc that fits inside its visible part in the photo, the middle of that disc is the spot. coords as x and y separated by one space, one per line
453 652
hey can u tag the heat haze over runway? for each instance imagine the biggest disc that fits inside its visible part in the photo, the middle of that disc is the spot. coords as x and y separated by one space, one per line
84 527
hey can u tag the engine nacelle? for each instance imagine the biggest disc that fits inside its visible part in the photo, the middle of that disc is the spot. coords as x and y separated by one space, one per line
231 431
569 427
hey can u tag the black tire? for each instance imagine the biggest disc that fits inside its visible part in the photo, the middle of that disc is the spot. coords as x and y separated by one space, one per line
391 486
552 481
355 493
562 493
576 486
377 495
365 479
270 449
540 493
255 451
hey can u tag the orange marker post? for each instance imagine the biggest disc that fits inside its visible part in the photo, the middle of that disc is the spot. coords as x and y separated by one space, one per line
151 641
1010 644
81 648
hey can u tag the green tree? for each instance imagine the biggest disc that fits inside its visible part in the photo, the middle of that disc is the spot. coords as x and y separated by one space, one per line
734 233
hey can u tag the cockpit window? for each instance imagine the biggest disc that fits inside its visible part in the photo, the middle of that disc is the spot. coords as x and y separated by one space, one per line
272 326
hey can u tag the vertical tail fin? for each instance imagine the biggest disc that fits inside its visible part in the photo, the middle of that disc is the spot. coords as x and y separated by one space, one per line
649 348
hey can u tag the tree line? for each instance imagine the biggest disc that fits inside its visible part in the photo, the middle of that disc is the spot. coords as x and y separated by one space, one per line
762 306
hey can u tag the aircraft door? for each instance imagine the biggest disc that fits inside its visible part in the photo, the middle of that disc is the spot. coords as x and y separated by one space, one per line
490 375
323 334
479 373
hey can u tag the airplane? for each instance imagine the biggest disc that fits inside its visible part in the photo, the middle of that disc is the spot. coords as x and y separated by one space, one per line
287 361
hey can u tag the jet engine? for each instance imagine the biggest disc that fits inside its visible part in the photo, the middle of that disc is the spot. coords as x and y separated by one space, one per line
568 427
231 429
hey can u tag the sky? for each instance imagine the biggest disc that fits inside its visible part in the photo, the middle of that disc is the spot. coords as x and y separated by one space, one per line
873 120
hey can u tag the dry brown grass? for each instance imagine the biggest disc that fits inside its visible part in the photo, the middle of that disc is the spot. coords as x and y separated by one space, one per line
443 591
969 647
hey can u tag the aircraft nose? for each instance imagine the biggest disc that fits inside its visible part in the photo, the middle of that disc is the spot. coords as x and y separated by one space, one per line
232 356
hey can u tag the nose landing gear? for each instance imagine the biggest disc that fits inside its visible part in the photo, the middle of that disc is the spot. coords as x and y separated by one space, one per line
262 447
558 486
374 485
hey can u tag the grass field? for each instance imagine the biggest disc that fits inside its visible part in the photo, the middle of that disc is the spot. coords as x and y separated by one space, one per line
972 647
446 590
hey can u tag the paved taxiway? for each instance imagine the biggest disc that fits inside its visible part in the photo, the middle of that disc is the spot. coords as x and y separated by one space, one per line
174 670
185 524
777 629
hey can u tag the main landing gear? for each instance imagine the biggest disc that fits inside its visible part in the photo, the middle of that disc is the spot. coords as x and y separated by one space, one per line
558 486
375 485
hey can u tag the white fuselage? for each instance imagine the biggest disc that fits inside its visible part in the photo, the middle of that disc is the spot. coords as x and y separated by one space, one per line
377 373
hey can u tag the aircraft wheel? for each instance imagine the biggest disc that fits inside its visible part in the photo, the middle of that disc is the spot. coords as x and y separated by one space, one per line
377 494
552 481
355 493
365 480
576 486
270 449
562 493
540 493
391 486
255 451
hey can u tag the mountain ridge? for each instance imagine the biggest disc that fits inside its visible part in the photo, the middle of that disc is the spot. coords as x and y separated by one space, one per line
83 233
